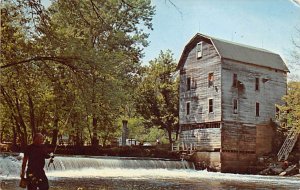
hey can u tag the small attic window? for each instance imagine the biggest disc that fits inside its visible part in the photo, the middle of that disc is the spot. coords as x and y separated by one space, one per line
199 50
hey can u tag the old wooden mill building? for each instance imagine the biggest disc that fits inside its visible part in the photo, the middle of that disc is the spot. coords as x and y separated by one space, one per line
228 97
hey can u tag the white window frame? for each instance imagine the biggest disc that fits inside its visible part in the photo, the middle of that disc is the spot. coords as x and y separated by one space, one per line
199 50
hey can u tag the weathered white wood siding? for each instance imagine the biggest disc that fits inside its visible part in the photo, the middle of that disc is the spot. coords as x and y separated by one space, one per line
200 93
272 86
203 138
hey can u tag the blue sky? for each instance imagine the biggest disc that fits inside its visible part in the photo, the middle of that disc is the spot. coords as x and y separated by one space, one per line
268 24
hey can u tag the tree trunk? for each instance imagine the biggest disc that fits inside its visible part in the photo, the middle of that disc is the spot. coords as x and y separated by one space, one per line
55 131
77 136
31 113
14 142
95 141
177 131
20 134
1 136
21 122
105 137
15 147
18 120
169 134
88 126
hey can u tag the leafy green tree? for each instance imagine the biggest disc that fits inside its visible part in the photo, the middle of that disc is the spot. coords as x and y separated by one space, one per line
69 64
14 87
153 134
290 112
157 94
107 37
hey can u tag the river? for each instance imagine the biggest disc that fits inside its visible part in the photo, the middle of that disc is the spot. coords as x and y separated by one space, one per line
109 173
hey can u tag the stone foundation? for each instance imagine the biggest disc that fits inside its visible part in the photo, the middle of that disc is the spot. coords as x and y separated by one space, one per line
207 160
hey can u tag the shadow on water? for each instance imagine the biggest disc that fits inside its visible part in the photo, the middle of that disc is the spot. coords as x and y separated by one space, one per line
106 173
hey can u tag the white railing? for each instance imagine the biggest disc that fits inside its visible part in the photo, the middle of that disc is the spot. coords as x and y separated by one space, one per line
187 142
288 144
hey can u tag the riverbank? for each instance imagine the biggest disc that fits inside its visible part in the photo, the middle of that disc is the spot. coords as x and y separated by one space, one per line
290 167
265 165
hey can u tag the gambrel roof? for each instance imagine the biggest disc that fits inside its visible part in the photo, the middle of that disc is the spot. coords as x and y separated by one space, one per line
238 52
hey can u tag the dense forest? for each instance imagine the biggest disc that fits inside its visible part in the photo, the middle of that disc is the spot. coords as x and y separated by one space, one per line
75 70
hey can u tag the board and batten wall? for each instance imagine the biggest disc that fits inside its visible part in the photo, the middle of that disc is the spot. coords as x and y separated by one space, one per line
200 93
203 139
272 87
245 135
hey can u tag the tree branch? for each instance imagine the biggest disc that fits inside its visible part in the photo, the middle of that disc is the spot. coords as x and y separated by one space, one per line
62 60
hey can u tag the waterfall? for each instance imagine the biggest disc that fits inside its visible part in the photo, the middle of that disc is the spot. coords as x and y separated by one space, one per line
11 165
71 163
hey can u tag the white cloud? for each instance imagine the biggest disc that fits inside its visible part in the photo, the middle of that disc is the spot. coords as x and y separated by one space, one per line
296 2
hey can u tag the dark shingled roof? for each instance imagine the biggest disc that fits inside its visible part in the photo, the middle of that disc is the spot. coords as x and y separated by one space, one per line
239 52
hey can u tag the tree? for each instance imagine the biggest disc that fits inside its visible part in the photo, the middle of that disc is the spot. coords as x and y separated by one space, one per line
74 60
157 94
108 39
290 113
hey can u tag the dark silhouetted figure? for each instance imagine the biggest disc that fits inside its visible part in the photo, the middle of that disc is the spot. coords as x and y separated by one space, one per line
35 154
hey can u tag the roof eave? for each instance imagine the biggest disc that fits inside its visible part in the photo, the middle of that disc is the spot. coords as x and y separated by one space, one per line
284 70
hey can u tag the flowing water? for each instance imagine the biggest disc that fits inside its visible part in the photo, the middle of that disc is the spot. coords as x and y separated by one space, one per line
108 173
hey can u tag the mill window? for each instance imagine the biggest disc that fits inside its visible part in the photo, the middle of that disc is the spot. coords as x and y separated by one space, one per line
210 105
210 79
188 107
257 109
234 80
235 106
257 84
188 83
199 50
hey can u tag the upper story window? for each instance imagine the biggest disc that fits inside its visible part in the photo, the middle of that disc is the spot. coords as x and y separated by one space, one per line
257 109
188 83
199 50
235 80
210 79
257 84
188 107
210 105
235 106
